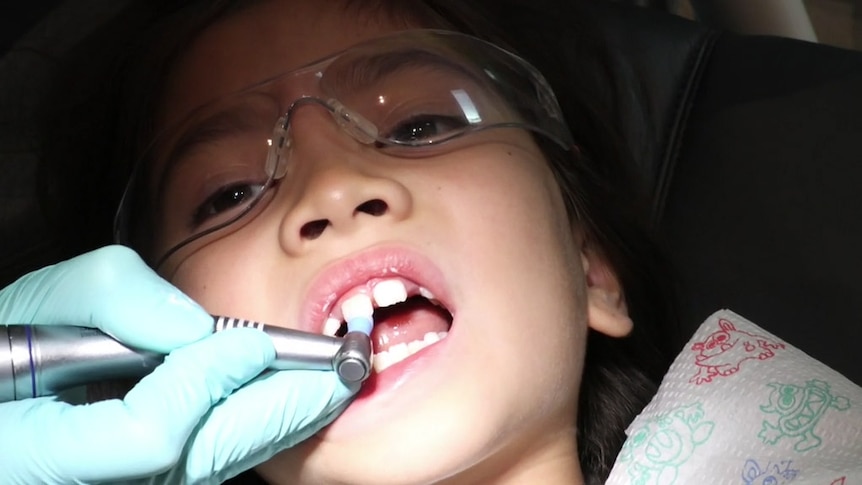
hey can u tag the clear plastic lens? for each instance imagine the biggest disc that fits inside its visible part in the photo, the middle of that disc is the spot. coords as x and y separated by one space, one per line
414 96
213 169
407 94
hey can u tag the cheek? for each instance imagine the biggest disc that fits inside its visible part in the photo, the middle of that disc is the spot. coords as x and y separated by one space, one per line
531 196
510 196
511 221
221 278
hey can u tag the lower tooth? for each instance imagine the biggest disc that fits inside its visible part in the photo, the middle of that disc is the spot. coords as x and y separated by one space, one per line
381 361
401 351
416 346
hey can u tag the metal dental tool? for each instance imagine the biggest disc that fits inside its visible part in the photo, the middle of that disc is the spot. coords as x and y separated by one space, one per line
37 360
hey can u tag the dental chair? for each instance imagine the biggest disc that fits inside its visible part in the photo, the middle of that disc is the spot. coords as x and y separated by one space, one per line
753 157
755 171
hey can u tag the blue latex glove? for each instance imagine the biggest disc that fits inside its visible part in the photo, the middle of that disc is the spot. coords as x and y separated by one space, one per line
204 415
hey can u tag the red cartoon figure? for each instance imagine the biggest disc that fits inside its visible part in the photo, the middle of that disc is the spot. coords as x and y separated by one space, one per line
723 351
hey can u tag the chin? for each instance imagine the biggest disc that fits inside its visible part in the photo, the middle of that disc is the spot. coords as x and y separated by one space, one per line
434 450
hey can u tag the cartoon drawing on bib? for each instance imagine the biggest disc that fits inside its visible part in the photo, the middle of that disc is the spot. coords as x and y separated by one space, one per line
722 352
663 444
799 409
771 474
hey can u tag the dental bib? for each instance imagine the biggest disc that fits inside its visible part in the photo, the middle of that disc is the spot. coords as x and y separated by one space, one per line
741 406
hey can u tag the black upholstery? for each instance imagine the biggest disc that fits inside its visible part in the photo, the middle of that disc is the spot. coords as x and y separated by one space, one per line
756 171
753 157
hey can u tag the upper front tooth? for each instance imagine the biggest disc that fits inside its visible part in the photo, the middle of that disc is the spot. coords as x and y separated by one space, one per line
389 292
357 306
331 327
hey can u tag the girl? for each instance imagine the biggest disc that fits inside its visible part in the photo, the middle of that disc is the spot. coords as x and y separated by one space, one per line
296 155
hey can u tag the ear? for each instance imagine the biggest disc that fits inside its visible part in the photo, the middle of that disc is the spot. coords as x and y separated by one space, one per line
608 313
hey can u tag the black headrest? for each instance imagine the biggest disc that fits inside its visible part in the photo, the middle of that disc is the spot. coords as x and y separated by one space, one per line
756 173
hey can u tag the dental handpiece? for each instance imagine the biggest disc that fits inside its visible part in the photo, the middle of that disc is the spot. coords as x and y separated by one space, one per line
41 360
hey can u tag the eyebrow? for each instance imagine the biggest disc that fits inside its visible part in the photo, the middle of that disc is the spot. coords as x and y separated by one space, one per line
212 128
364 71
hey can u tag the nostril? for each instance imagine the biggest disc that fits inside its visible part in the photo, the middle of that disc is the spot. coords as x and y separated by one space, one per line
374 207
312 230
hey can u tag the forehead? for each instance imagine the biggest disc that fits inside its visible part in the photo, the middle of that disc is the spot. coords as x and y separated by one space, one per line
258 42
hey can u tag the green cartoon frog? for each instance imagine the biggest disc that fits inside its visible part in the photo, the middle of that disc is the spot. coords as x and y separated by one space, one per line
800 409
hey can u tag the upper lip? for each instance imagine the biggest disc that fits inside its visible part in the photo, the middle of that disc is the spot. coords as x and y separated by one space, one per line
348 272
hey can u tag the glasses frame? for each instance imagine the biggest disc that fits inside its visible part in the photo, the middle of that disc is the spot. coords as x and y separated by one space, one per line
465 48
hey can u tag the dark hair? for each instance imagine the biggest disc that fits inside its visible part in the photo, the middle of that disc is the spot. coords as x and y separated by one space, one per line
602 194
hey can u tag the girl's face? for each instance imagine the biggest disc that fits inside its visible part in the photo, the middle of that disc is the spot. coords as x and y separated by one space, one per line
482 228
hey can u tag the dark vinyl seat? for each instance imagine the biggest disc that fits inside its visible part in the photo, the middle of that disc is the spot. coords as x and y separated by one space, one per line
755 168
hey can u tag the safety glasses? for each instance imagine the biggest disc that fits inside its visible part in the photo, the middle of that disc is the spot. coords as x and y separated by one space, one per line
414 94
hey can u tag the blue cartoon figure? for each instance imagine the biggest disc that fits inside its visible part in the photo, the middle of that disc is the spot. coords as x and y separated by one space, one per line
772 474
799 409
655 451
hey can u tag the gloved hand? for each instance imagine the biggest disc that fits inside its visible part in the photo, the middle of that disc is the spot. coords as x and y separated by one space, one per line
204 415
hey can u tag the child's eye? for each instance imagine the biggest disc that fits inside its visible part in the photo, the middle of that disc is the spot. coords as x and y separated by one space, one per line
229 198
425 128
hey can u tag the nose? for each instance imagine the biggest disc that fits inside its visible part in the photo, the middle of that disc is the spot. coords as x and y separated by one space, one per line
335 186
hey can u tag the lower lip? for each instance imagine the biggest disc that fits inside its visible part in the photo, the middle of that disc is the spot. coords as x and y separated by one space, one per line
396 387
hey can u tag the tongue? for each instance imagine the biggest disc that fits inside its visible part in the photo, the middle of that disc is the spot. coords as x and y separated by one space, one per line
407 322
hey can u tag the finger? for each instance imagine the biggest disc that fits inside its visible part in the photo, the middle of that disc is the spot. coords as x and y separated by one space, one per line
272 413
146 432
111 289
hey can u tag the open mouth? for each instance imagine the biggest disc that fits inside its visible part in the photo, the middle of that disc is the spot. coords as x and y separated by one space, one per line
407 318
